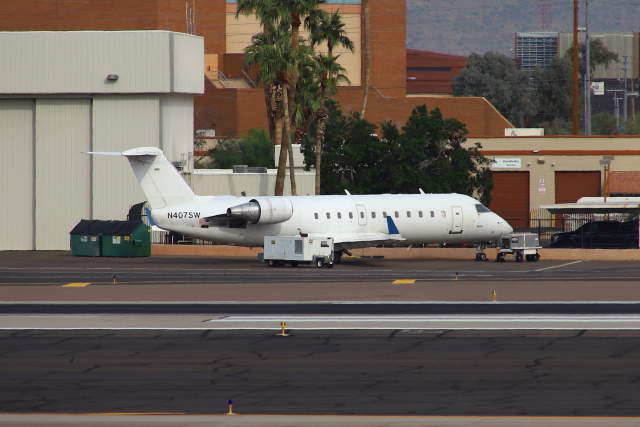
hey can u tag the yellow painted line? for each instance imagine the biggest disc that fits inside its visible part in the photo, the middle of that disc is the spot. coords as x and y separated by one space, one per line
404 281
75 285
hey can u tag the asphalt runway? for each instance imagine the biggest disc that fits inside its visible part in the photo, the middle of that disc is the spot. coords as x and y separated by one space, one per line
389 365
57 276
477 373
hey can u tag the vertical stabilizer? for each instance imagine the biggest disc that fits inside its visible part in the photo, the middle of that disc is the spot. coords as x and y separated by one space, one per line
162 184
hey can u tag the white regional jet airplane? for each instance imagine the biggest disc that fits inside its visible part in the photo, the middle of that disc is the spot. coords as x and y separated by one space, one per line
353 221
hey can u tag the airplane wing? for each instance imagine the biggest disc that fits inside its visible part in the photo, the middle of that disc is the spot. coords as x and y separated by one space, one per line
362 240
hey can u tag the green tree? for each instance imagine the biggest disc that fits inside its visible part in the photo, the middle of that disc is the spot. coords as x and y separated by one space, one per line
253 150
553 84
427 153
496 78
604 124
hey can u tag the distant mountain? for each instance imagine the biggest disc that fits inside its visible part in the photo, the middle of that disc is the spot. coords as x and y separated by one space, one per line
460 27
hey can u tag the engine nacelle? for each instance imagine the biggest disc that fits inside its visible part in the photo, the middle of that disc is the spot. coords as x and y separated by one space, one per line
263 210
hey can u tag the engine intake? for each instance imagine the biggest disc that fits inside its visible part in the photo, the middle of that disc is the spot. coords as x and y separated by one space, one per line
263 210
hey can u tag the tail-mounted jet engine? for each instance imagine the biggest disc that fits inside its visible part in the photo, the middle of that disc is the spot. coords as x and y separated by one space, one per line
263 211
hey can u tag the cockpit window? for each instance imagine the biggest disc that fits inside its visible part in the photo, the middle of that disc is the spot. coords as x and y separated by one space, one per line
482 208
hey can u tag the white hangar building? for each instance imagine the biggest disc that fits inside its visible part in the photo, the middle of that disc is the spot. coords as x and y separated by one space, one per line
66 93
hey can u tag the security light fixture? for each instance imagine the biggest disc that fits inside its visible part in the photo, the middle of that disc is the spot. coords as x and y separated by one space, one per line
113 77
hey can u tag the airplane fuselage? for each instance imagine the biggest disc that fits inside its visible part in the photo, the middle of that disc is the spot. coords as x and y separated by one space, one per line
419 218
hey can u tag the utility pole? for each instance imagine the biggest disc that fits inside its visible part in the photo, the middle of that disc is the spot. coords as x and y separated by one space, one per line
617 106
587 73
575 68
625 89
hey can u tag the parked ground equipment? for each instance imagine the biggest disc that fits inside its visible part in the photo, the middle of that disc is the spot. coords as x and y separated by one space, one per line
520 245
295 250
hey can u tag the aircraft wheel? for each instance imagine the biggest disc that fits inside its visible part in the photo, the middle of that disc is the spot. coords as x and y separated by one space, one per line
519 257
271 263
294 263
319 262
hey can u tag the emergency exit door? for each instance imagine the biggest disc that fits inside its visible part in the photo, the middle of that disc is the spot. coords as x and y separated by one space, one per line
456 227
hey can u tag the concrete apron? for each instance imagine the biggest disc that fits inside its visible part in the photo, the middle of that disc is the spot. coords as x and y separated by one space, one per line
403 253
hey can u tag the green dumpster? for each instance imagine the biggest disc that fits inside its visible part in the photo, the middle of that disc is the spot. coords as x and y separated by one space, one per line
126 239
85 237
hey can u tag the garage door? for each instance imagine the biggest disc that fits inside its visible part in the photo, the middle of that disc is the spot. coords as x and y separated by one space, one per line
510 197
570 186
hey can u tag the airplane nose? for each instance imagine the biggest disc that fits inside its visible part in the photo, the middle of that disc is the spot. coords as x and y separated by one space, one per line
507 228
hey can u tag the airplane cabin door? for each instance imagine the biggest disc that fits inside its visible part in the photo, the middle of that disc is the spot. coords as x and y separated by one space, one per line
362 215
456 227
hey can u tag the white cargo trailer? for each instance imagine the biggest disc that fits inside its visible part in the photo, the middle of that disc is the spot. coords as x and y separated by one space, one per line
295 250
521 245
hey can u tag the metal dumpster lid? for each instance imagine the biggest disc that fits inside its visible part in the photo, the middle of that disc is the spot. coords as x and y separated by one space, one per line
89 226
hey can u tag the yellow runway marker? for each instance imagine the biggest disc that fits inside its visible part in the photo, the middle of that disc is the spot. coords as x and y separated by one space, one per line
404 281
76 285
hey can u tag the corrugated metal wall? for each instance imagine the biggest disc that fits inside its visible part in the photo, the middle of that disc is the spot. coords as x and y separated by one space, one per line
80 61
62 190
177 126
252 184
16 173
188 63
120 122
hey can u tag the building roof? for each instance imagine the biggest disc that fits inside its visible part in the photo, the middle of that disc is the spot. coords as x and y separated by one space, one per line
624 182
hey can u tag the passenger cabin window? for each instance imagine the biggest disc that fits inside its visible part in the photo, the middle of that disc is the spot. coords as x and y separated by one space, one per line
373 214
408 214
328 215
361 214
350 215
433 214
482 208
384 214
315 215
444 214
420 214
397 214
339 215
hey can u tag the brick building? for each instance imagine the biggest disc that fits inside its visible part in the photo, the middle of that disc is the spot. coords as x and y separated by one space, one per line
237 109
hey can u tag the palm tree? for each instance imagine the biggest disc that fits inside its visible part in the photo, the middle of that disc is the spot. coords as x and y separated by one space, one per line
271 49
329 28
329 73
293 12
367 52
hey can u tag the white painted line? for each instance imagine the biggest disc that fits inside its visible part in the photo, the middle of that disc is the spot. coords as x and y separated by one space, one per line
561 265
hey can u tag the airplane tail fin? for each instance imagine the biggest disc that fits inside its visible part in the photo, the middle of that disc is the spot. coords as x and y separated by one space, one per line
160 181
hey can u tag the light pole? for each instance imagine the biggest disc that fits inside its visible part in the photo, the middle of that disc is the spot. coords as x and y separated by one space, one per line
606 163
